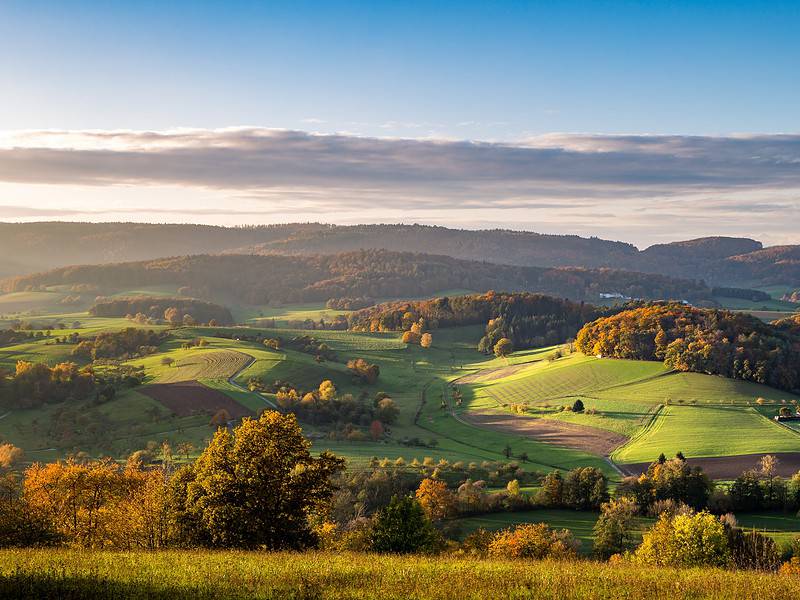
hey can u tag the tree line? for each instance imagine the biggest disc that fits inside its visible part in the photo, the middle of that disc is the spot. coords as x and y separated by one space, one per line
173 311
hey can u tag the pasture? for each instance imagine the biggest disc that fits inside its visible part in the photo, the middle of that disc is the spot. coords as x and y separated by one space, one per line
700 431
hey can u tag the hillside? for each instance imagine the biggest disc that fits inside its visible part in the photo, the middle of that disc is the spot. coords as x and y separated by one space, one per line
715 342
31 247
277 279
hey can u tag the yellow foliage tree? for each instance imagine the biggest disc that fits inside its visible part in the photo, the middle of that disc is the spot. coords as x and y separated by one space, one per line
436 499
327 391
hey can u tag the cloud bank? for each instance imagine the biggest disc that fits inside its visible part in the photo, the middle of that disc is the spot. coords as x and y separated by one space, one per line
622 183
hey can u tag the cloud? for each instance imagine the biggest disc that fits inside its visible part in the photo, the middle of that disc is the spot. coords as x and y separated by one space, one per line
16 212
265 158
559 175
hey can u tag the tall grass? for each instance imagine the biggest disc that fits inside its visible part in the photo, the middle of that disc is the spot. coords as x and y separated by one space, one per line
196 574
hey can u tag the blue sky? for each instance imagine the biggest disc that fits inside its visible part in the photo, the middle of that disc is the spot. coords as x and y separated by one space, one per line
460 69
505 72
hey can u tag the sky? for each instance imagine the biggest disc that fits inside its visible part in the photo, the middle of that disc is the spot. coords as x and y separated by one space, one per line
639 121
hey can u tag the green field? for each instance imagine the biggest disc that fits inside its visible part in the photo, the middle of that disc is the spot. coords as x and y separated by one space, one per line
700 415
707 431
194 364
208 574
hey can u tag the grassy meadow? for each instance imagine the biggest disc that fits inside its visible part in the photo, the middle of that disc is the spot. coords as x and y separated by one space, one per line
204 574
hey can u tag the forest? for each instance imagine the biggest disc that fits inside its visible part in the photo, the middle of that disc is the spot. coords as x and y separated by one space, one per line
278 279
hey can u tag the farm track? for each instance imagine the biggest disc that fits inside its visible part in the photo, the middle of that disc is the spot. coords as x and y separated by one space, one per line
233 382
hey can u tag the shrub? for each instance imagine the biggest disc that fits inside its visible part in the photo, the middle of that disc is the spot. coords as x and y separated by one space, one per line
533 540
685 540
752 550
614 529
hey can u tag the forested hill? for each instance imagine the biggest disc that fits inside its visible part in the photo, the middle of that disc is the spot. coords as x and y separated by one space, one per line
737 262
717 342
276 279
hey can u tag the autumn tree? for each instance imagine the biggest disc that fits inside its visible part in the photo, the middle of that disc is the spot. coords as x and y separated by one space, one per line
10 456
185 448
533 540
220 418
552 490
368 373
387 411
21 525
503 348
172 315
79 500
426 340
436 499
685 540
376 430
410 337
255 487
327 391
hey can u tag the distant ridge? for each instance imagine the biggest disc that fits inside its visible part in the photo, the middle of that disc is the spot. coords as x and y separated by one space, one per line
33 247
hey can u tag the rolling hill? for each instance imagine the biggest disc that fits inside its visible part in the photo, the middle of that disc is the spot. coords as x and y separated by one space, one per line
258 280
32 247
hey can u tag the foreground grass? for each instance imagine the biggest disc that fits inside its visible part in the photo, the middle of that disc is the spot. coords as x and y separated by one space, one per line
194 574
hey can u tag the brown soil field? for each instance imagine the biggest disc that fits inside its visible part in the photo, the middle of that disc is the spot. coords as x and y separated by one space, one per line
569 435
491 374
729 467
191 397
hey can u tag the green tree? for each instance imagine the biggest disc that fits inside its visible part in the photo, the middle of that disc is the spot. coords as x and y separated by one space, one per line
613 532
746 493
257 487
552 491
578 406
402 527
585 488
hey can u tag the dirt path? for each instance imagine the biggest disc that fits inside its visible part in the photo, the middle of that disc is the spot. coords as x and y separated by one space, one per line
729 467
559 433
232 381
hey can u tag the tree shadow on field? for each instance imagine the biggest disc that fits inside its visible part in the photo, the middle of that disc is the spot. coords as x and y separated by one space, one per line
30 586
